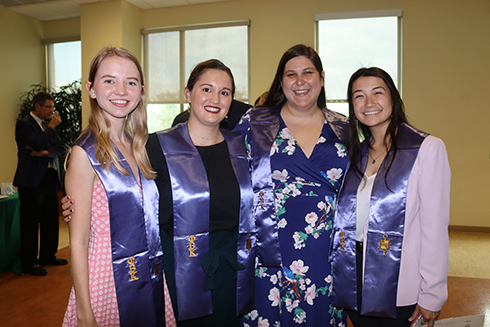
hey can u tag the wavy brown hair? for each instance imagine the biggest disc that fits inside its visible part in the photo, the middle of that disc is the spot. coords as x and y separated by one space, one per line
136 121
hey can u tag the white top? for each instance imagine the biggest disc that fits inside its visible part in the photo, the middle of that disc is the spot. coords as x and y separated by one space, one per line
39 121
363 205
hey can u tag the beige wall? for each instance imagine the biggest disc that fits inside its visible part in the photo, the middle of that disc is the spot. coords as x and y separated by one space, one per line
98 29
21 65
445 63
63 29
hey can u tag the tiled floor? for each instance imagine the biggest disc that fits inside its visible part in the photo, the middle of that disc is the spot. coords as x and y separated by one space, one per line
469 276
468 284
467 297
469 255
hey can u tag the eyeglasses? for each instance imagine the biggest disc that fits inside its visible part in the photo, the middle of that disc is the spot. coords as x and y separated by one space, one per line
49 107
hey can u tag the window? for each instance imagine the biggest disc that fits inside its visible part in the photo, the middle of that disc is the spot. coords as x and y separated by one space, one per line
64 63
349 41
172 53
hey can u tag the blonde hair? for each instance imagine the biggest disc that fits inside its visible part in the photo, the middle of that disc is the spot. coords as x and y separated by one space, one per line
135 126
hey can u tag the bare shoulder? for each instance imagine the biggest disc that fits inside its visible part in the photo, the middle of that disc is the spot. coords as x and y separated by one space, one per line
78 159
79 167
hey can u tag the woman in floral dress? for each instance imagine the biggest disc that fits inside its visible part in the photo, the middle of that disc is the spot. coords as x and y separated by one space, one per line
298 159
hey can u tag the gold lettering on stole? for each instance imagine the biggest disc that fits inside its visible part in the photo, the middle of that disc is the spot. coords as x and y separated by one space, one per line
249 243
384 244
157 270
132 269
342 241
262 201
192 246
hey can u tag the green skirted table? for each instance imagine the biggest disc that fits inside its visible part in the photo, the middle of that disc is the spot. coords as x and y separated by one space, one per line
10 235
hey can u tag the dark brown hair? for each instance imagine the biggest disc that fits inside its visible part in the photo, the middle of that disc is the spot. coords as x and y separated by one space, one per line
41 98
276 95
359 134
209 64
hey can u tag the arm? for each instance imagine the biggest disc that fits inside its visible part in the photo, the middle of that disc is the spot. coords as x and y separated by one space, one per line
434 195
35 153
79 182
28 133
57 146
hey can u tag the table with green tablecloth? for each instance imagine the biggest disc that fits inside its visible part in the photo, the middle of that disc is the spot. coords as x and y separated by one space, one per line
10 234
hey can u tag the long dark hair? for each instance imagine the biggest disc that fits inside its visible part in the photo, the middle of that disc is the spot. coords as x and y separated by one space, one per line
358 131
276 95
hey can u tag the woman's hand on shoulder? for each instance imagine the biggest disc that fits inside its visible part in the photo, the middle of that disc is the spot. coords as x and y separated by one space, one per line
67 204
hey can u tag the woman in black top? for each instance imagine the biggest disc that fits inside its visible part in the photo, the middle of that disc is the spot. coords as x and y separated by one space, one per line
203 168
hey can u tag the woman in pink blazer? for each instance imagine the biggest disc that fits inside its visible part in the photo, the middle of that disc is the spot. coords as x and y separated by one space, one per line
390 244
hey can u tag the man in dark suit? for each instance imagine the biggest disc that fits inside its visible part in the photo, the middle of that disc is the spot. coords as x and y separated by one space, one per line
37 179
237 109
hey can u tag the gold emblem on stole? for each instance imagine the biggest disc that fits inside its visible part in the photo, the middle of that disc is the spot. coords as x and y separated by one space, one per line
342 241
157 270
132 269
192 246
262 201
384 244
249 243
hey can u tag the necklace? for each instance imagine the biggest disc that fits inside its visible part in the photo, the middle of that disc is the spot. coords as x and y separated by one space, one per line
374 159
205 138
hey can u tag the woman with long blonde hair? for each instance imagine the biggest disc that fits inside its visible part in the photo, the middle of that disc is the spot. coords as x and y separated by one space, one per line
115 250
206 224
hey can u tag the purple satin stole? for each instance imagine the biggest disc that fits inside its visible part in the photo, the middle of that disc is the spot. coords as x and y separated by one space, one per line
384 235
190 190
264 127
136 248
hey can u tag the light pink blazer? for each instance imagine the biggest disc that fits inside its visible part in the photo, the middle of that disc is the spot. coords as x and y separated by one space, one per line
425 251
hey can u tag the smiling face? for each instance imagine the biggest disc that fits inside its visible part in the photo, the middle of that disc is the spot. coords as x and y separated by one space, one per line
116 87
301 83
210 97
372 102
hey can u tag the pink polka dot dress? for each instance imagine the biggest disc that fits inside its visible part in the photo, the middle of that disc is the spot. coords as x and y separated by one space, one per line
101 277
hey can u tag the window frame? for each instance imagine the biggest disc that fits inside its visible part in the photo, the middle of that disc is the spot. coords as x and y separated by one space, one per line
182 29
364 14
49 58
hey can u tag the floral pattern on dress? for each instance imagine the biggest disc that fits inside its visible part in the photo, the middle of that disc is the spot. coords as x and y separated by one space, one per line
305 194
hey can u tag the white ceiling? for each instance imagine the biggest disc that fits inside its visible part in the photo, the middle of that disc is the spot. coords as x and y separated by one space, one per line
62 9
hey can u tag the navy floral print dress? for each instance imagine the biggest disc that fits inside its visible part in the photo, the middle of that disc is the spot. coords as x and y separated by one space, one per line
305 193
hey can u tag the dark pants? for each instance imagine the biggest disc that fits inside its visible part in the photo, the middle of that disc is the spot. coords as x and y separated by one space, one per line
402 313
39 206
